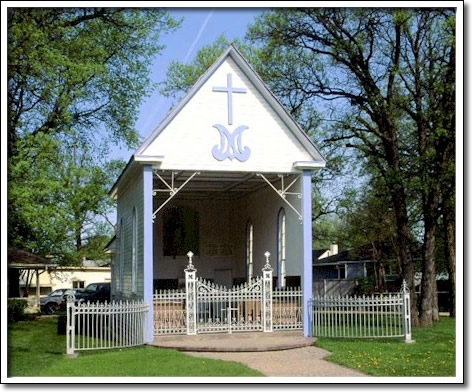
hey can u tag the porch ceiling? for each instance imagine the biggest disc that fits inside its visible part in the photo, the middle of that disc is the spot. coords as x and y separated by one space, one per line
215 185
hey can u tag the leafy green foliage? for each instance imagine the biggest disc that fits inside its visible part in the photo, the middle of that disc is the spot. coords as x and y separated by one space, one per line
56 194
16 309
80 69
384 81
180 77
365 286
76 77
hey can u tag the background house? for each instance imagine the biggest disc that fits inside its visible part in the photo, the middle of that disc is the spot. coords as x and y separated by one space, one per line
31 276
338 273
24 272
62 277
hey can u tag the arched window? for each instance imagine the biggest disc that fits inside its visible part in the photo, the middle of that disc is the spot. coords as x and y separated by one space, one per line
249 250
134 250
281 240
121 260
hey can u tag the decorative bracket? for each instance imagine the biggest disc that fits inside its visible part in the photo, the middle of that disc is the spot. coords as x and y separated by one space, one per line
283 192
170 188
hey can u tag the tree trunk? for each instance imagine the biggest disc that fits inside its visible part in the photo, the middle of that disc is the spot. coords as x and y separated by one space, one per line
428 278
379 269
450 250
78 238
435 304
397 192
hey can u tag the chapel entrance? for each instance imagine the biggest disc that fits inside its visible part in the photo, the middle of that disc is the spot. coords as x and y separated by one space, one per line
225 219
204 307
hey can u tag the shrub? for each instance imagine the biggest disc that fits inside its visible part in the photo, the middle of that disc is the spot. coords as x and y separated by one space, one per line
62 323
365 286
16 309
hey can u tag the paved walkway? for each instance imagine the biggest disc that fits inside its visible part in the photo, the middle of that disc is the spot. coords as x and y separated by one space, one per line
279 353
299 362
235 342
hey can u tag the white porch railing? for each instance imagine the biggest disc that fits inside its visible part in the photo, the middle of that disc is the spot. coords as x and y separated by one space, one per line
95 326
287 308
375 316
170 316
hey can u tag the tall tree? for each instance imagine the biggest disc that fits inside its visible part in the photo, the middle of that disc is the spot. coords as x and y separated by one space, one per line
394 71
80 69
428 75
60 193
76 77
369 221
356 61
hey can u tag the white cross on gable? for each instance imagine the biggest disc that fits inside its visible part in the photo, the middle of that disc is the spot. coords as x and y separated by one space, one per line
230 90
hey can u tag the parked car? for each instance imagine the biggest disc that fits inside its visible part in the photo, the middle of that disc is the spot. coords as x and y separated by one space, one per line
95 292
56 300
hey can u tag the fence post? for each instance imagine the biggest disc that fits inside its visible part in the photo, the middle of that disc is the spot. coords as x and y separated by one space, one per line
405 292
267 295
190 291
70 326
311 317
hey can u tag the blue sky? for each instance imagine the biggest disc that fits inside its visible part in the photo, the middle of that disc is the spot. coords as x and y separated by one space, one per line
200 27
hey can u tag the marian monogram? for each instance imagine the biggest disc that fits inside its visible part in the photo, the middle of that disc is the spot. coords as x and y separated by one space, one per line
231 145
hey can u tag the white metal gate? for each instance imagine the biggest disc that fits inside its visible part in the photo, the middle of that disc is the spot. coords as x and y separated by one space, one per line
203 307
212 308
219 309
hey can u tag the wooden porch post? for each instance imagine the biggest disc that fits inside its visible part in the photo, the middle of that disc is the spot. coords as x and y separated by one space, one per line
148 270
307 278
37 290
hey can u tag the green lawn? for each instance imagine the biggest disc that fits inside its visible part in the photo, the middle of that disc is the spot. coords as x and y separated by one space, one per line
432 354
35 349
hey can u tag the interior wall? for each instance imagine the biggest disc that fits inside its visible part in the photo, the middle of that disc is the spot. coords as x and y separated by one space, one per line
222 226
221 241
262 208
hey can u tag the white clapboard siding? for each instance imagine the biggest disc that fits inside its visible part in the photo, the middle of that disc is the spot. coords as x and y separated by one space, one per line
130 197
187 141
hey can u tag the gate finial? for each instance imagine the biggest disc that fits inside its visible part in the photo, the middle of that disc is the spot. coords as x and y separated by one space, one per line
190 266
267 265
70 297
405 288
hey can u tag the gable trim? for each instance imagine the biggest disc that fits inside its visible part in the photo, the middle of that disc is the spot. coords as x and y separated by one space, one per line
260 86
181 104
279 108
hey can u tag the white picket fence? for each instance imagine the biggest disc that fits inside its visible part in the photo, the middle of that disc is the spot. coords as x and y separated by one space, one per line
203 307
96 326
374 316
